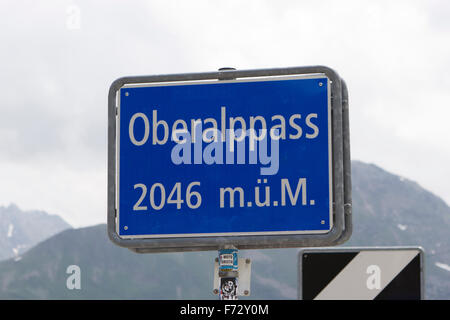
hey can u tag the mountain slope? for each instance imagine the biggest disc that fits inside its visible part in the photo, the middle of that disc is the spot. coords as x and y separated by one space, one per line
107 271
391 210
388 211
21 230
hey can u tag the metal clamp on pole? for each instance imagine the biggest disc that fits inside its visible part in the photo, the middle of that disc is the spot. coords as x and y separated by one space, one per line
231 274
225 75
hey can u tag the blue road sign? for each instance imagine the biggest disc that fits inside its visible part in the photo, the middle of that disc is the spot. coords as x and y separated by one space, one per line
219 158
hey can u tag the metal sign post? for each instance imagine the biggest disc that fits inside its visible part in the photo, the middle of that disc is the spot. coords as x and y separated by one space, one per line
228 274
232 274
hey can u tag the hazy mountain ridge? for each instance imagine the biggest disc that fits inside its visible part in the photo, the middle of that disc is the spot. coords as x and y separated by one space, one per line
388 211
402 213
21 230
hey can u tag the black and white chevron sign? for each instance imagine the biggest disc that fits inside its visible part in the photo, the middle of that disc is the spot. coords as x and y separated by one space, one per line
361 273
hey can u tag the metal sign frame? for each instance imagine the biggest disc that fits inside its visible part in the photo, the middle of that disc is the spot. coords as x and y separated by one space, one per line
304 251
341 175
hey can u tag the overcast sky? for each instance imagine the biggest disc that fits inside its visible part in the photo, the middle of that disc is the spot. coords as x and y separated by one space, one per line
58 59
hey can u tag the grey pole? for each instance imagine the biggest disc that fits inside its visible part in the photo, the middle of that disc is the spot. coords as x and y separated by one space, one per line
228 273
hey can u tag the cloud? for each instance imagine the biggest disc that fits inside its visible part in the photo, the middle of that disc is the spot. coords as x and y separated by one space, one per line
393 56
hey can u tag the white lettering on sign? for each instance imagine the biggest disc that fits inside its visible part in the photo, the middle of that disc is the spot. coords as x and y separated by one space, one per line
233 130
229 197
146 129
278 129
193 198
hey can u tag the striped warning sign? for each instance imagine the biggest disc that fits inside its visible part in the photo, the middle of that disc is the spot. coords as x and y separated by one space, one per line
361 273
